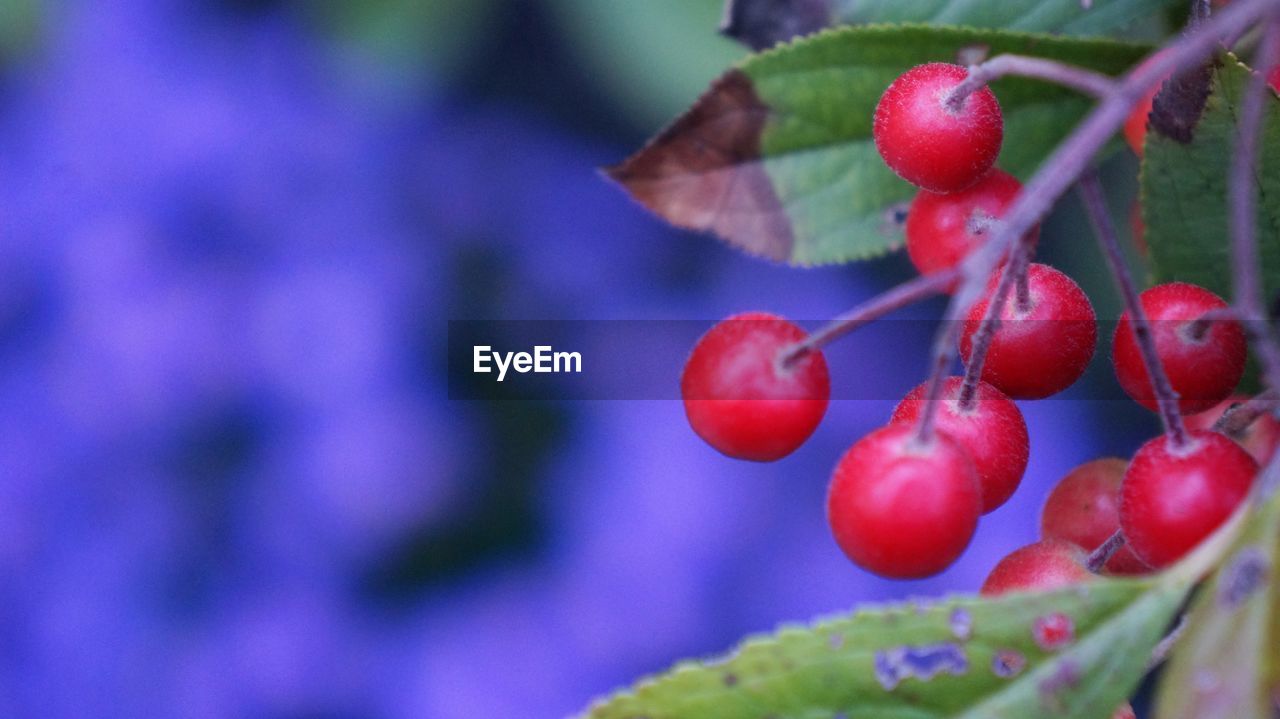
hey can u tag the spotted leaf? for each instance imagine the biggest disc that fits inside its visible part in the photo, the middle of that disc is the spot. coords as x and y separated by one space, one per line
1075 653
1228 662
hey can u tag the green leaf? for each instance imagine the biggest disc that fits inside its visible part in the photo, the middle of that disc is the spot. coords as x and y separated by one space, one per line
1184 192
964 657
777 157
1068 17
1228 662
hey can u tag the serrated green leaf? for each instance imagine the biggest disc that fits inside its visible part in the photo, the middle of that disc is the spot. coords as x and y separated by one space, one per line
1184 195
1184 192
965 657
1228 662
777 157
1057 16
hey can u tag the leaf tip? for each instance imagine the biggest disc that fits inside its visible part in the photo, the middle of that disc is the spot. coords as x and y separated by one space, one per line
705 172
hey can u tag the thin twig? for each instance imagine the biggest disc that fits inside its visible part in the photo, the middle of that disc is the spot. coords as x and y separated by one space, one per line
1166 399
907 293
1237 419
981 75
938 374
1099 557
1022 278
1014 274
1243 211
1072 157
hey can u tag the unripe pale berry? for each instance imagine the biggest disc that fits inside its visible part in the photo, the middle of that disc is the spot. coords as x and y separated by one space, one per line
1084 509
992 430
1259 439
1174 497
927 143
902 509
1043 347
942 230
1203 371
740 398
1047 564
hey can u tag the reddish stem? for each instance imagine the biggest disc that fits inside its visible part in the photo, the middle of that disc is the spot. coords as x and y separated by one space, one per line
1023 276
1238 418
905 294
1243 210
1099 557
1015 273
1166 398
982 74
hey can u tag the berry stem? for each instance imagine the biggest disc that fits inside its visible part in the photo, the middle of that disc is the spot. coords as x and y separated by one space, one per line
1200 326
1099 557
1166 398
1076 78
1015 273
1246 279
1071 158
933 396
1238 418
1022 275
905 294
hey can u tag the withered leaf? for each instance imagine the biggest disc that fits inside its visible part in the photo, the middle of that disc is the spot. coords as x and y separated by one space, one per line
1180 102
704 171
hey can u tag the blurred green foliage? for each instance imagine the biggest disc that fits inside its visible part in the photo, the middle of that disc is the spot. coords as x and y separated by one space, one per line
652 57
19 24
436 34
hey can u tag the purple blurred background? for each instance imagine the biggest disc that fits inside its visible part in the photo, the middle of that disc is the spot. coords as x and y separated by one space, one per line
232 233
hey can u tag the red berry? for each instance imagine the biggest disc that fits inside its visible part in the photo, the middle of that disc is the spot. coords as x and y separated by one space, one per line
739 397
902 509
1084 509
1047 564
1135 127
1259 439
1124 712
1203 371
992 430
927 143
1042 348
1174 497
943 229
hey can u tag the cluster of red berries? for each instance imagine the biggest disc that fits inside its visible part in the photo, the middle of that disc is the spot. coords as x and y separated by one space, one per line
904 501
